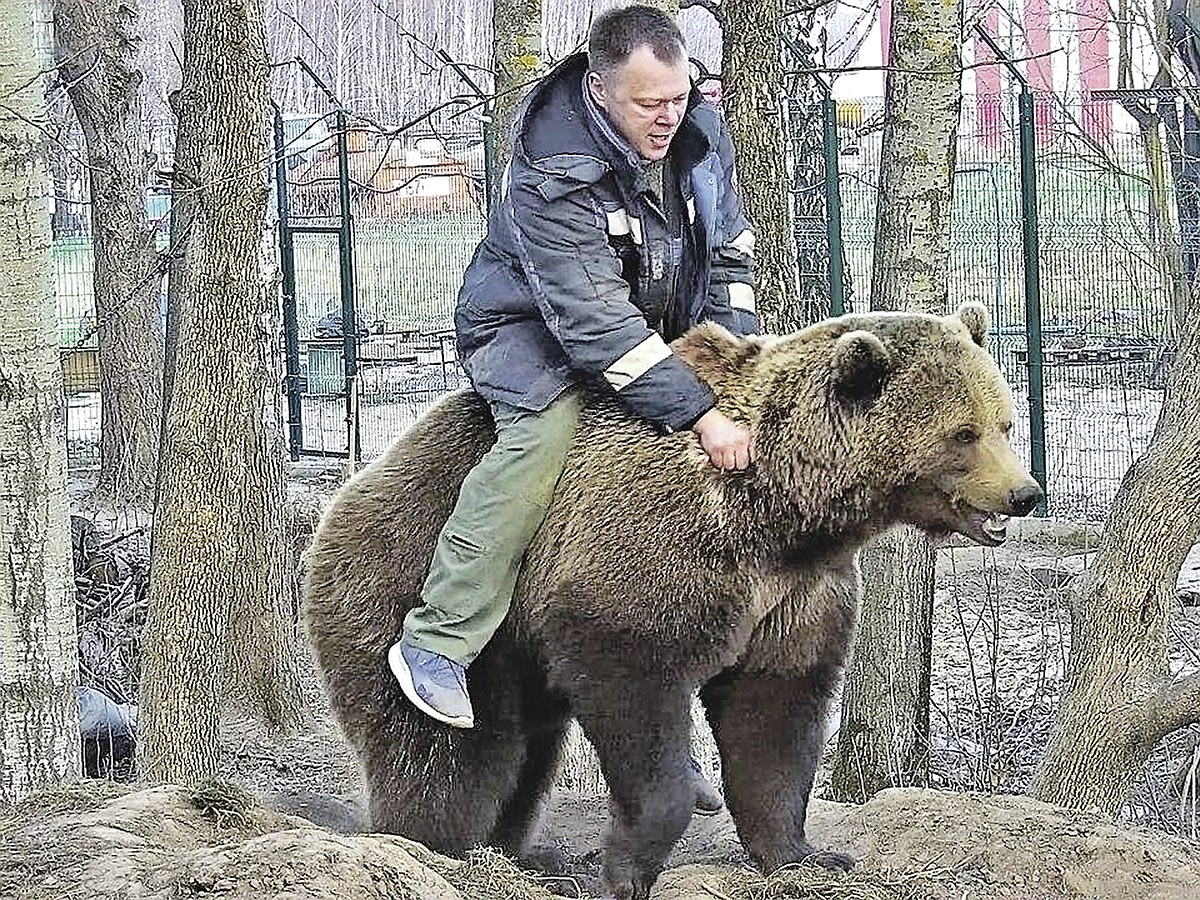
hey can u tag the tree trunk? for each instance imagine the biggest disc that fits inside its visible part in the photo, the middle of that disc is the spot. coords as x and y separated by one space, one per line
884 734
806 119
1120 698
752 79
516 59
96 48
219 627
39 729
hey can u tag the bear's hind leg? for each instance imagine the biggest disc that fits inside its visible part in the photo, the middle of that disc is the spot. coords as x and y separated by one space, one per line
520 817
441 786
641 730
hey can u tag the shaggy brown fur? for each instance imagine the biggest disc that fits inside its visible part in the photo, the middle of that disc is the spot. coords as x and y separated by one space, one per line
655 575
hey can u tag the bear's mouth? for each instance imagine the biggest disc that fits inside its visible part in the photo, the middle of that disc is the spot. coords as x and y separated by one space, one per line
987 528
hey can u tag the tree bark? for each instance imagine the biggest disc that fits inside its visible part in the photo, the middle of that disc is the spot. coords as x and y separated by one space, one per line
752 79
96 45
39 729
219 627
1120 698
516 59
884 734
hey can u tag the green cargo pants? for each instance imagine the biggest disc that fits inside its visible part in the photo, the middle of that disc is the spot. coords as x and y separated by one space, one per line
501 504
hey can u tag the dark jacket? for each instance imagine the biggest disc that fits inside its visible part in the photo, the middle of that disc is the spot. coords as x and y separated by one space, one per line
559 291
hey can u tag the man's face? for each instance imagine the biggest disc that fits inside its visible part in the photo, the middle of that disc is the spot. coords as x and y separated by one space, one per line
646 99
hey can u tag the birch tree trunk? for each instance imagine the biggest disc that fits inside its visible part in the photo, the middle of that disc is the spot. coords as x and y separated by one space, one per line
884 735
96 45
219 627
516 59
39 728
1120 696
752 79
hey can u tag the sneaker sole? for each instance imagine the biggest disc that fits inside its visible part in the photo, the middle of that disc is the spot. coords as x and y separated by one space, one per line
402 674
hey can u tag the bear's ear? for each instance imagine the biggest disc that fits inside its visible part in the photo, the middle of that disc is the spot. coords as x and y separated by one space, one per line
715 354
861 365
975 317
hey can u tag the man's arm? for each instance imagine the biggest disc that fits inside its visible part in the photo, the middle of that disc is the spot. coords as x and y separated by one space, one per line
730 299
576 281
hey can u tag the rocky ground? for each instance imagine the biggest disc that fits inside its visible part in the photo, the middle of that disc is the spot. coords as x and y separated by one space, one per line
1000 645
162 843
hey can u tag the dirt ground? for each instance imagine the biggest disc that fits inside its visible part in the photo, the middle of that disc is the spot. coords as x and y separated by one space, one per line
1000 646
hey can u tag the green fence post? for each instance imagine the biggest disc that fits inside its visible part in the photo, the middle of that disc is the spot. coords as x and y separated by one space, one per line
346 259
287 265
833 209
1033 293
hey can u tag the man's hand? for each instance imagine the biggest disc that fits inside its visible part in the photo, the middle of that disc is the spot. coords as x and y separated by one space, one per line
728 444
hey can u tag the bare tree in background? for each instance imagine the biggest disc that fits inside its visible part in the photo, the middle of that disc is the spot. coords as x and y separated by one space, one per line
219 626
96 44
1121 698
752 92
516 60
884 736
39 731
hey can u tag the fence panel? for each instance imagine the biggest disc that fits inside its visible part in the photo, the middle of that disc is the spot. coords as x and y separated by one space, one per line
1105 306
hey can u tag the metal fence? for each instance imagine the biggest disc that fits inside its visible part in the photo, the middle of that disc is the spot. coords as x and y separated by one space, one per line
1105 306
417 213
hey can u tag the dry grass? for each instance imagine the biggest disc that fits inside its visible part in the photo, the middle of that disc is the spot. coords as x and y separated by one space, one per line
223 803
488 875
812 882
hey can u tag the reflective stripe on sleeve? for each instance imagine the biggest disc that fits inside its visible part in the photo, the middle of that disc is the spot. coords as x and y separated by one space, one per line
621 222
637 362
744 242
741 296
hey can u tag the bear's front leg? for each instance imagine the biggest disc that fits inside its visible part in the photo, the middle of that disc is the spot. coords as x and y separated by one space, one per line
768 728
640 727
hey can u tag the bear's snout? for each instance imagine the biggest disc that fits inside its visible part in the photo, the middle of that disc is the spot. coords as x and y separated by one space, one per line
1022 500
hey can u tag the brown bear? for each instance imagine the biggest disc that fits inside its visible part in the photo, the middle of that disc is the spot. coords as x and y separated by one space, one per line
655 575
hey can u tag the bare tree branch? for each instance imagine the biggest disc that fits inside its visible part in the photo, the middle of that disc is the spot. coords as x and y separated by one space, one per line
976 65
1180 705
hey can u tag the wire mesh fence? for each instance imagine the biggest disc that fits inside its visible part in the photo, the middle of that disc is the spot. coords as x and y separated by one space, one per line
417 214
1105 306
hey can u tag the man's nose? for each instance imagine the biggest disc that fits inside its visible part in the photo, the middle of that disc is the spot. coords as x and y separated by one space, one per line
671 114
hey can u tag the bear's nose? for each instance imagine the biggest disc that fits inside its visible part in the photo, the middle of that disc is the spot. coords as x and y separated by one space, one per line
1024 499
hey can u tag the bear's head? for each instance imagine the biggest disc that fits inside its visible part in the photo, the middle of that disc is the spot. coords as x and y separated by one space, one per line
870 420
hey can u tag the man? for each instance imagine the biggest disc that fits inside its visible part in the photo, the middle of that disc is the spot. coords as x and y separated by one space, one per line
619 227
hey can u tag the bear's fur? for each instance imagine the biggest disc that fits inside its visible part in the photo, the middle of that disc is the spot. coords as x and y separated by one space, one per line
655 575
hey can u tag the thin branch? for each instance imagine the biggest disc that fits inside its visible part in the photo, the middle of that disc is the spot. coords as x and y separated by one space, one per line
1180 704
881 68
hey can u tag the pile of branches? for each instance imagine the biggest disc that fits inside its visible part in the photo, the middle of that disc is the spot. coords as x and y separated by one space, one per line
112 586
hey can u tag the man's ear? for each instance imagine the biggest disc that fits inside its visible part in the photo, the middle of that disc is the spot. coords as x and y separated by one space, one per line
861 366
596 86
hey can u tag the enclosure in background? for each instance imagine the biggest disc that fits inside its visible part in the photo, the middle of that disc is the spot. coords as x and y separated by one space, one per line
416 211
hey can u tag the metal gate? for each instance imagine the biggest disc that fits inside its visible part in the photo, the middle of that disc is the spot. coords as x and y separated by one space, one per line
337 369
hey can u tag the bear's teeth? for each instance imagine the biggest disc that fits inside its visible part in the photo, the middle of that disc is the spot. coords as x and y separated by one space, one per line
996 525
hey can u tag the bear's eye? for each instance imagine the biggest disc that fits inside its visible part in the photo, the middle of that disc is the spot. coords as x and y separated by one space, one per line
966 435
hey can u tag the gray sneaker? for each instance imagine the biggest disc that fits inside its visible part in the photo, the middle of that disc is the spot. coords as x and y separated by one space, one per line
436 685
708 799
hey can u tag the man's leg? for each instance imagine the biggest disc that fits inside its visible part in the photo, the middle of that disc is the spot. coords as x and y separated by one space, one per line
474 570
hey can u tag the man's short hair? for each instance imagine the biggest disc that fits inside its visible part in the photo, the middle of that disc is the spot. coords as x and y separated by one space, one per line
616 33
